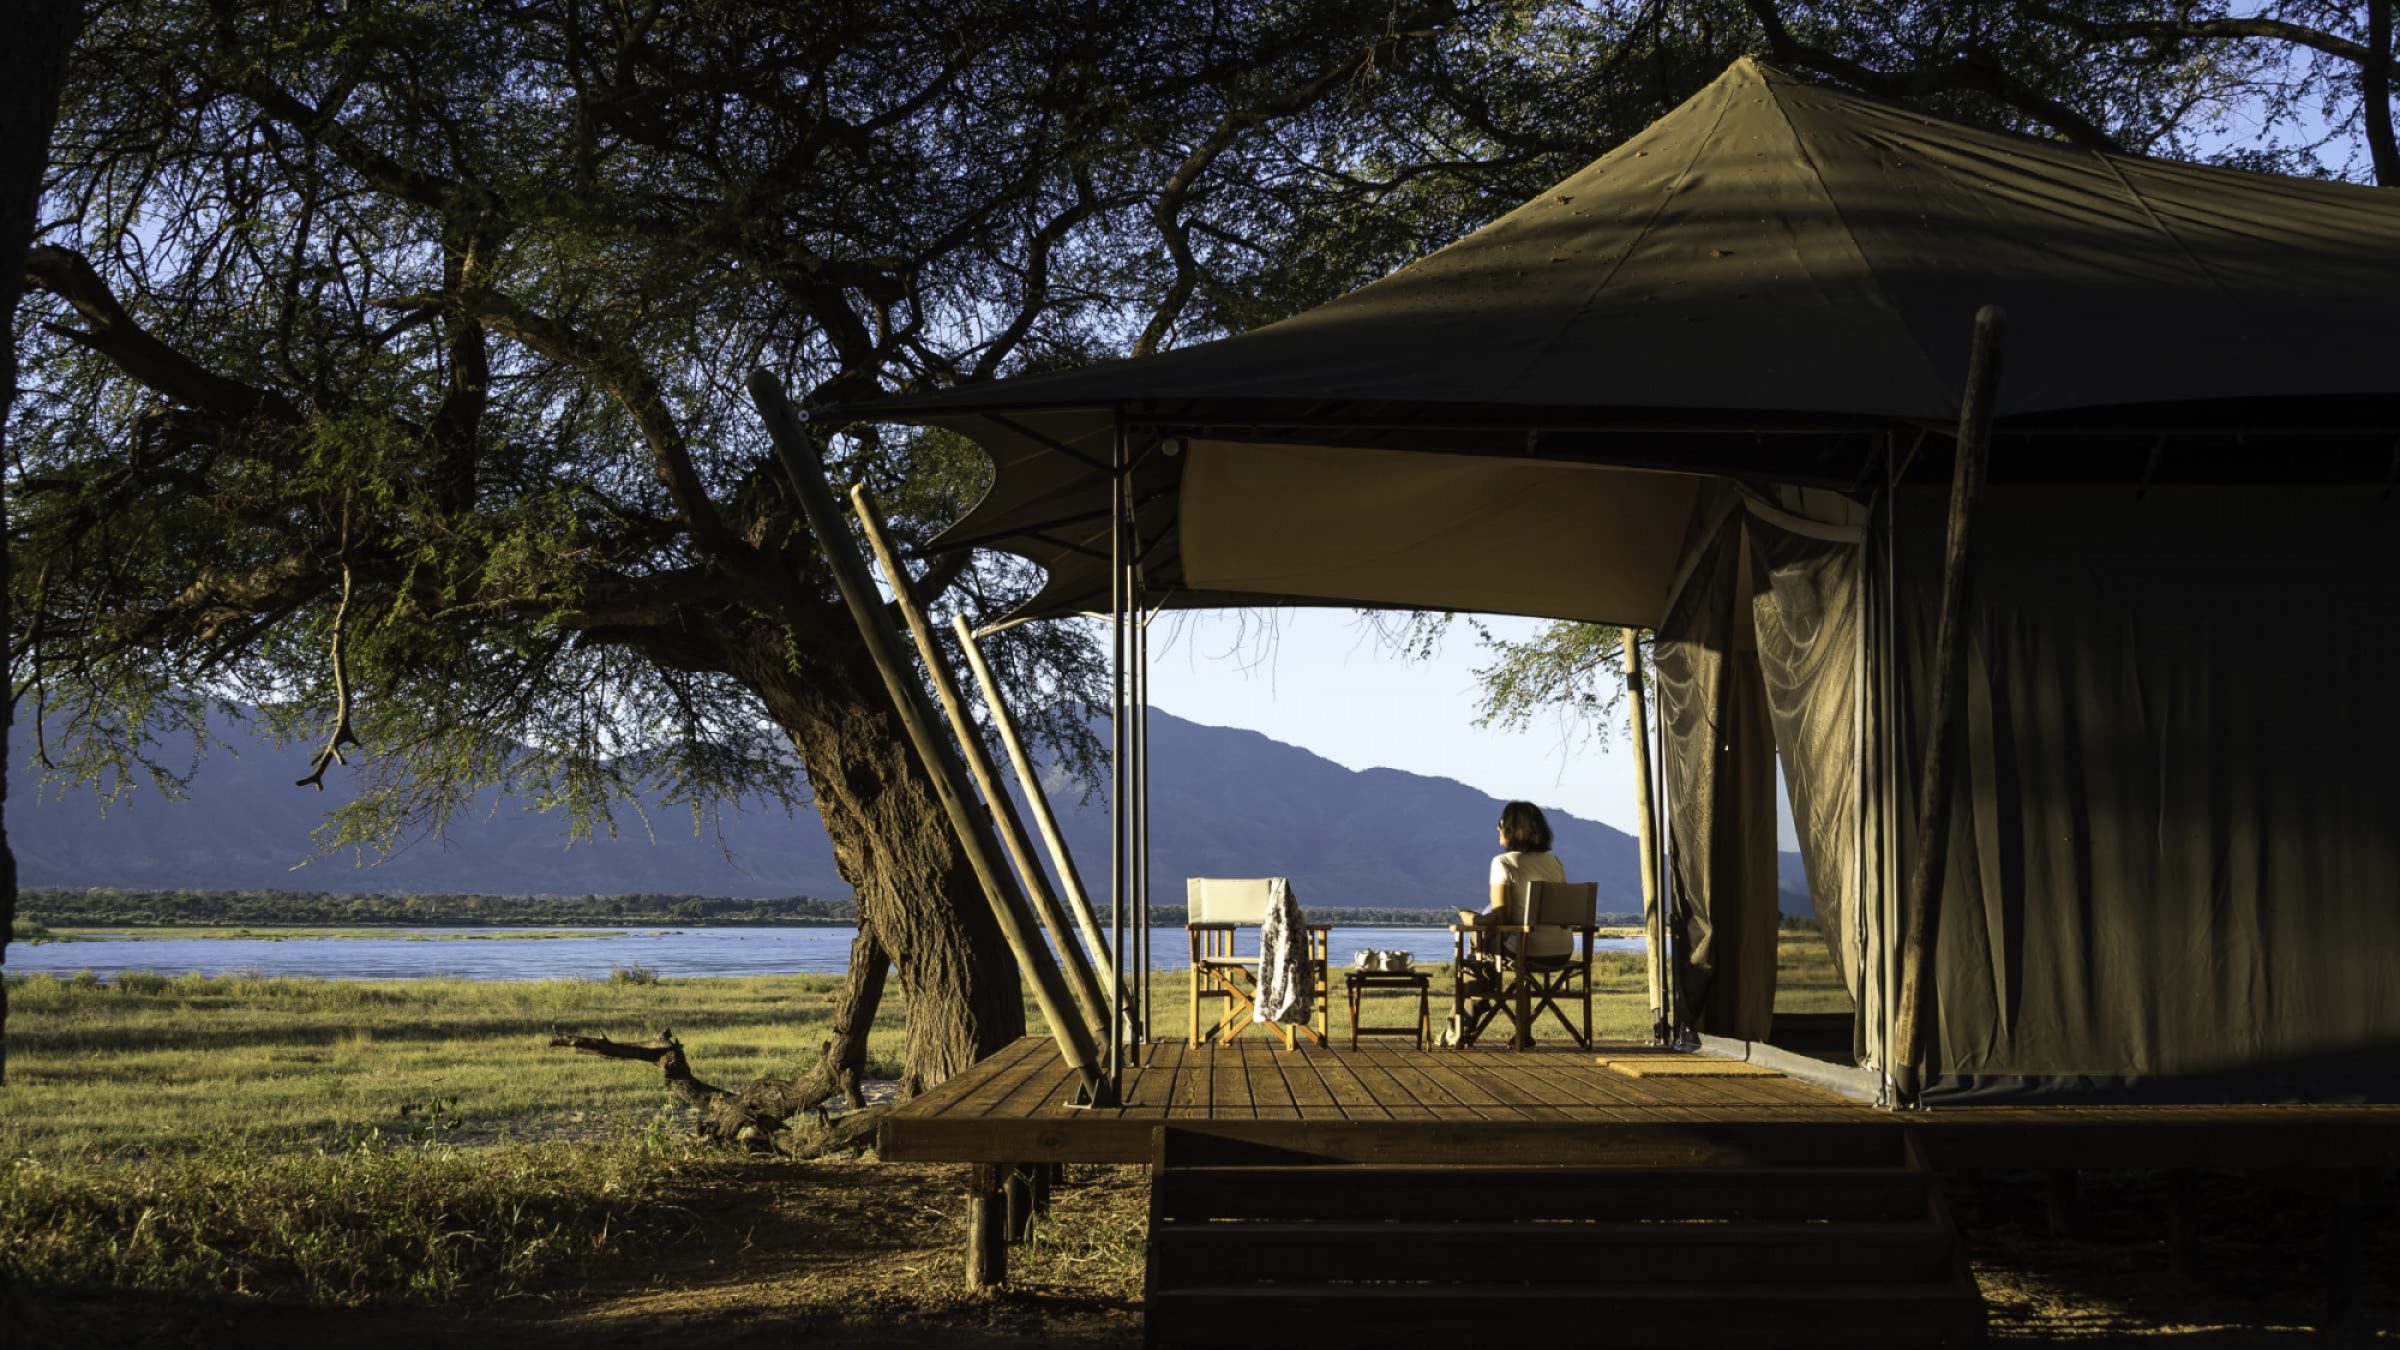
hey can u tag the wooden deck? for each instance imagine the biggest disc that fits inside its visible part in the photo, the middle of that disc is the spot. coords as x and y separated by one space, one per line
1384 1102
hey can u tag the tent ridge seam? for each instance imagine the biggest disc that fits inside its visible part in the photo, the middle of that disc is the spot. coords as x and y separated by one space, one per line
1943 394
1617 264
2150 214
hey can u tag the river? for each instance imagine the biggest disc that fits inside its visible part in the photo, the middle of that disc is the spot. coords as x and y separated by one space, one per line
482 954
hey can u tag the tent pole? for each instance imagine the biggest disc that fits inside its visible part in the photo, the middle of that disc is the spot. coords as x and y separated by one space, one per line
1081 982
1119 1024
1141 793
1653 929
1950 646
798 455
1070 879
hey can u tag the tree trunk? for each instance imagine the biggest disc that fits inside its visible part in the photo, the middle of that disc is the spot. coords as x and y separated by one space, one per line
916 893
33 66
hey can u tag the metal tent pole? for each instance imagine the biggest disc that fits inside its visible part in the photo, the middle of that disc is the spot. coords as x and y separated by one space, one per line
1141 793
798 455
1116 757
1653 924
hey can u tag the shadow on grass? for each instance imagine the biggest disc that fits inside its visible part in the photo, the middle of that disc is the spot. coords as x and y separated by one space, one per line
2260 1243
776 1253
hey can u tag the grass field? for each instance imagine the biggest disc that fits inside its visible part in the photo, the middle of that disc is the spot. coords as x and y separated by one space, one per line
348 1142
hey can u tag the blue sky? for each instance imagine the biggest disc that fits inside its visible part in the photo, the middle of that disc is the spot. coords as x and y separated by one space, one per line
1320 680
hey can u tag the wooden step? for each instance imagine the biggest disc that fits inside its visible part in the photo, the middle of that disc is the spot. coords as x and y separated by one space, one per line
1611 1314
1505 1253
1599 1193
1533 1144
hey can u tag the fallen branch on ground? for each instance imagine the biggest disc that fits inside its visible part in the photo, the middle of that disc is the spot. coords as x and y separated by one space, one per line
752 1117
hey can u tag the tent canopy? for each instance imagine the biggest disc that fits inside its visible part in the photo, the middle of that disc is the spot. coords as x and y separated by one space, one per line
1765 282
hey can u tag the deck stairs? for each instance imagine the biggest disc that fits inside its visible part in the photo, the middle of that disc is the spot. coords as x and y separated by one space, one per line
1789 1235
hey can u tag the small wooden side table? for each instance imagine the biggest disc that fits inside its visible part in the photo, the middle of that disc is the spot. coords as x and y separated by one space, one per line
1360 982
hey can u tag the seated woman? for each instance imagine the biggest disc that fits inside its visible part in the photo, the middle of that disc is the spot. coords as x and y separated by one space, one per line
1526 856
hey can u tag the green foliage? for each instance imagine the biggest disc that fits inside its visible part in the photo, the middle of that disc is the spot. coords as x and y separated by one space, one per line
633 975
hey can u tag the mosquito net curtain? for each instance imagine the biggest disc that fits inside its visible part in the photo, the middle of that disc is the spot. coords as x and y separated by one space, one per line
1761 649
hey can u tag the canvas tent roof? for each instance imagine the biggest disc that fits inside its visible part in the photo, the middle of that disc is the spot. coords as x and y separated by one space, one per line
1769 265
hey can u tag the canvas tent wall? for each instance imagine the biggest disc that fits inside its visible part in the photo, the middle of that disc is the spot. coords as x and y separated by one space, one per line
1753 317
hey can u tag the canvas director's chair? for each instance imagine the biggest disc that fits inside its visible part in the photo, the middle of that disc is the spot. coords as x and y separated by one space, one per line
1538 953
1218 908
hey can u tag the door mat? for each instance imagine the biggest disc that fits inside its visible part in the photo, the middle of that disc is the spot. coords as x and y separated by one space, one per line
1685 1066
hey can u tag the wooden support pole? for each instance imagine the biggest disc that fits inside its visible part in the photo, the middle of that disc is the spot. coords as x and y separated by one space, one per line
987 1227
1654 926
1949 655
1045 1183
1017 1192
1081 982
798 455
1070 879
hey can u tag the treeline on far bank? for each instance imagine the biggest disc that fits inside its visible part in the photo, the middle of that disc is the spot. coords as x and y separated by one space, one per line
98 907
106 907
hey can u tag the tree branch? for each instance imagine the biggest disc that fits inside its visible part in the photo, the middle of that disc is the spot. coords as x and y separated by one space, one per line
1972 73
342 734
2375 91
2184 29
629 384
114 334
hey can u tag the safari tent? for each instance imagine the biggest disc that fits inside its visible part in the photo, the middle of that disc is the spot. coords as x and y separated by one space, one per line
1710 386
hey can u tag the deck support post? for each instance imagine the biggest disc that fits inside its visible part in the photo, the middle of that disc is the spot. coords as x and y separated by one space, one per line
1045 1181
798 455
1081 982
1949 654
987 1227
1654 930
1017 1201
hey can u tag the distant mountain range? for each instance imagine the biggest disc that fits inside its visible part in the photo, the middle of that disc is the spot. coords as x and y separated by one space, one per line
1224 802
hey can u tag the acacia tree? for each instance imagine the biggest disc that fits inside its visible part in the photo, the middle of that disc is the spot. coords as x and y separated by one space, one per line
387 382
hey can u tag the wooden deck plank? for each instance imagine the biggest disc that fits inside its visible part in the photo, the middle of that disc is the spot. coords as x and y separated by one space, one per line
969 1088
1578 1084
1512 1087
1003 1076
1355 1099
1228 1084
1437 1084
1308 1089
1192 1084
1396 1097
1271 1094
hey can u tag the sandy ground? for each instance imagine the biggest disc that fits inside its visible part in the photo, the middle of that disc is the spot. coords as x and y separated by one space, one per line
861 1254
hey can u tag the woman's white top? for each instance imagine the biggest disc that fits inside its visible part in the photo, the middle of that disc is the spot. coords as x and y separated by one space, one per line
1512 867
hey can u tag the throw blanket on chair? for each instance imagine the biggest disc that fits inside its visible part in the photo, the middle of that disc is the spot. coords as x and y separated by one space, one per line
1283 956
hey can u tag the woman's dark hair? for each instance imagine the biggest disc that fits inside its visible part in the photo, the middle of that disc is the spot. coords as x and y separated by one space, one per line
1522 825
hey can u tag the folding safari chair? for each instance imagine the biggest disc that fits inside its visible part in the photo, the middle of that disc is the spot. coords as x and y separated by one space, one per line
1522 986
1217 908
